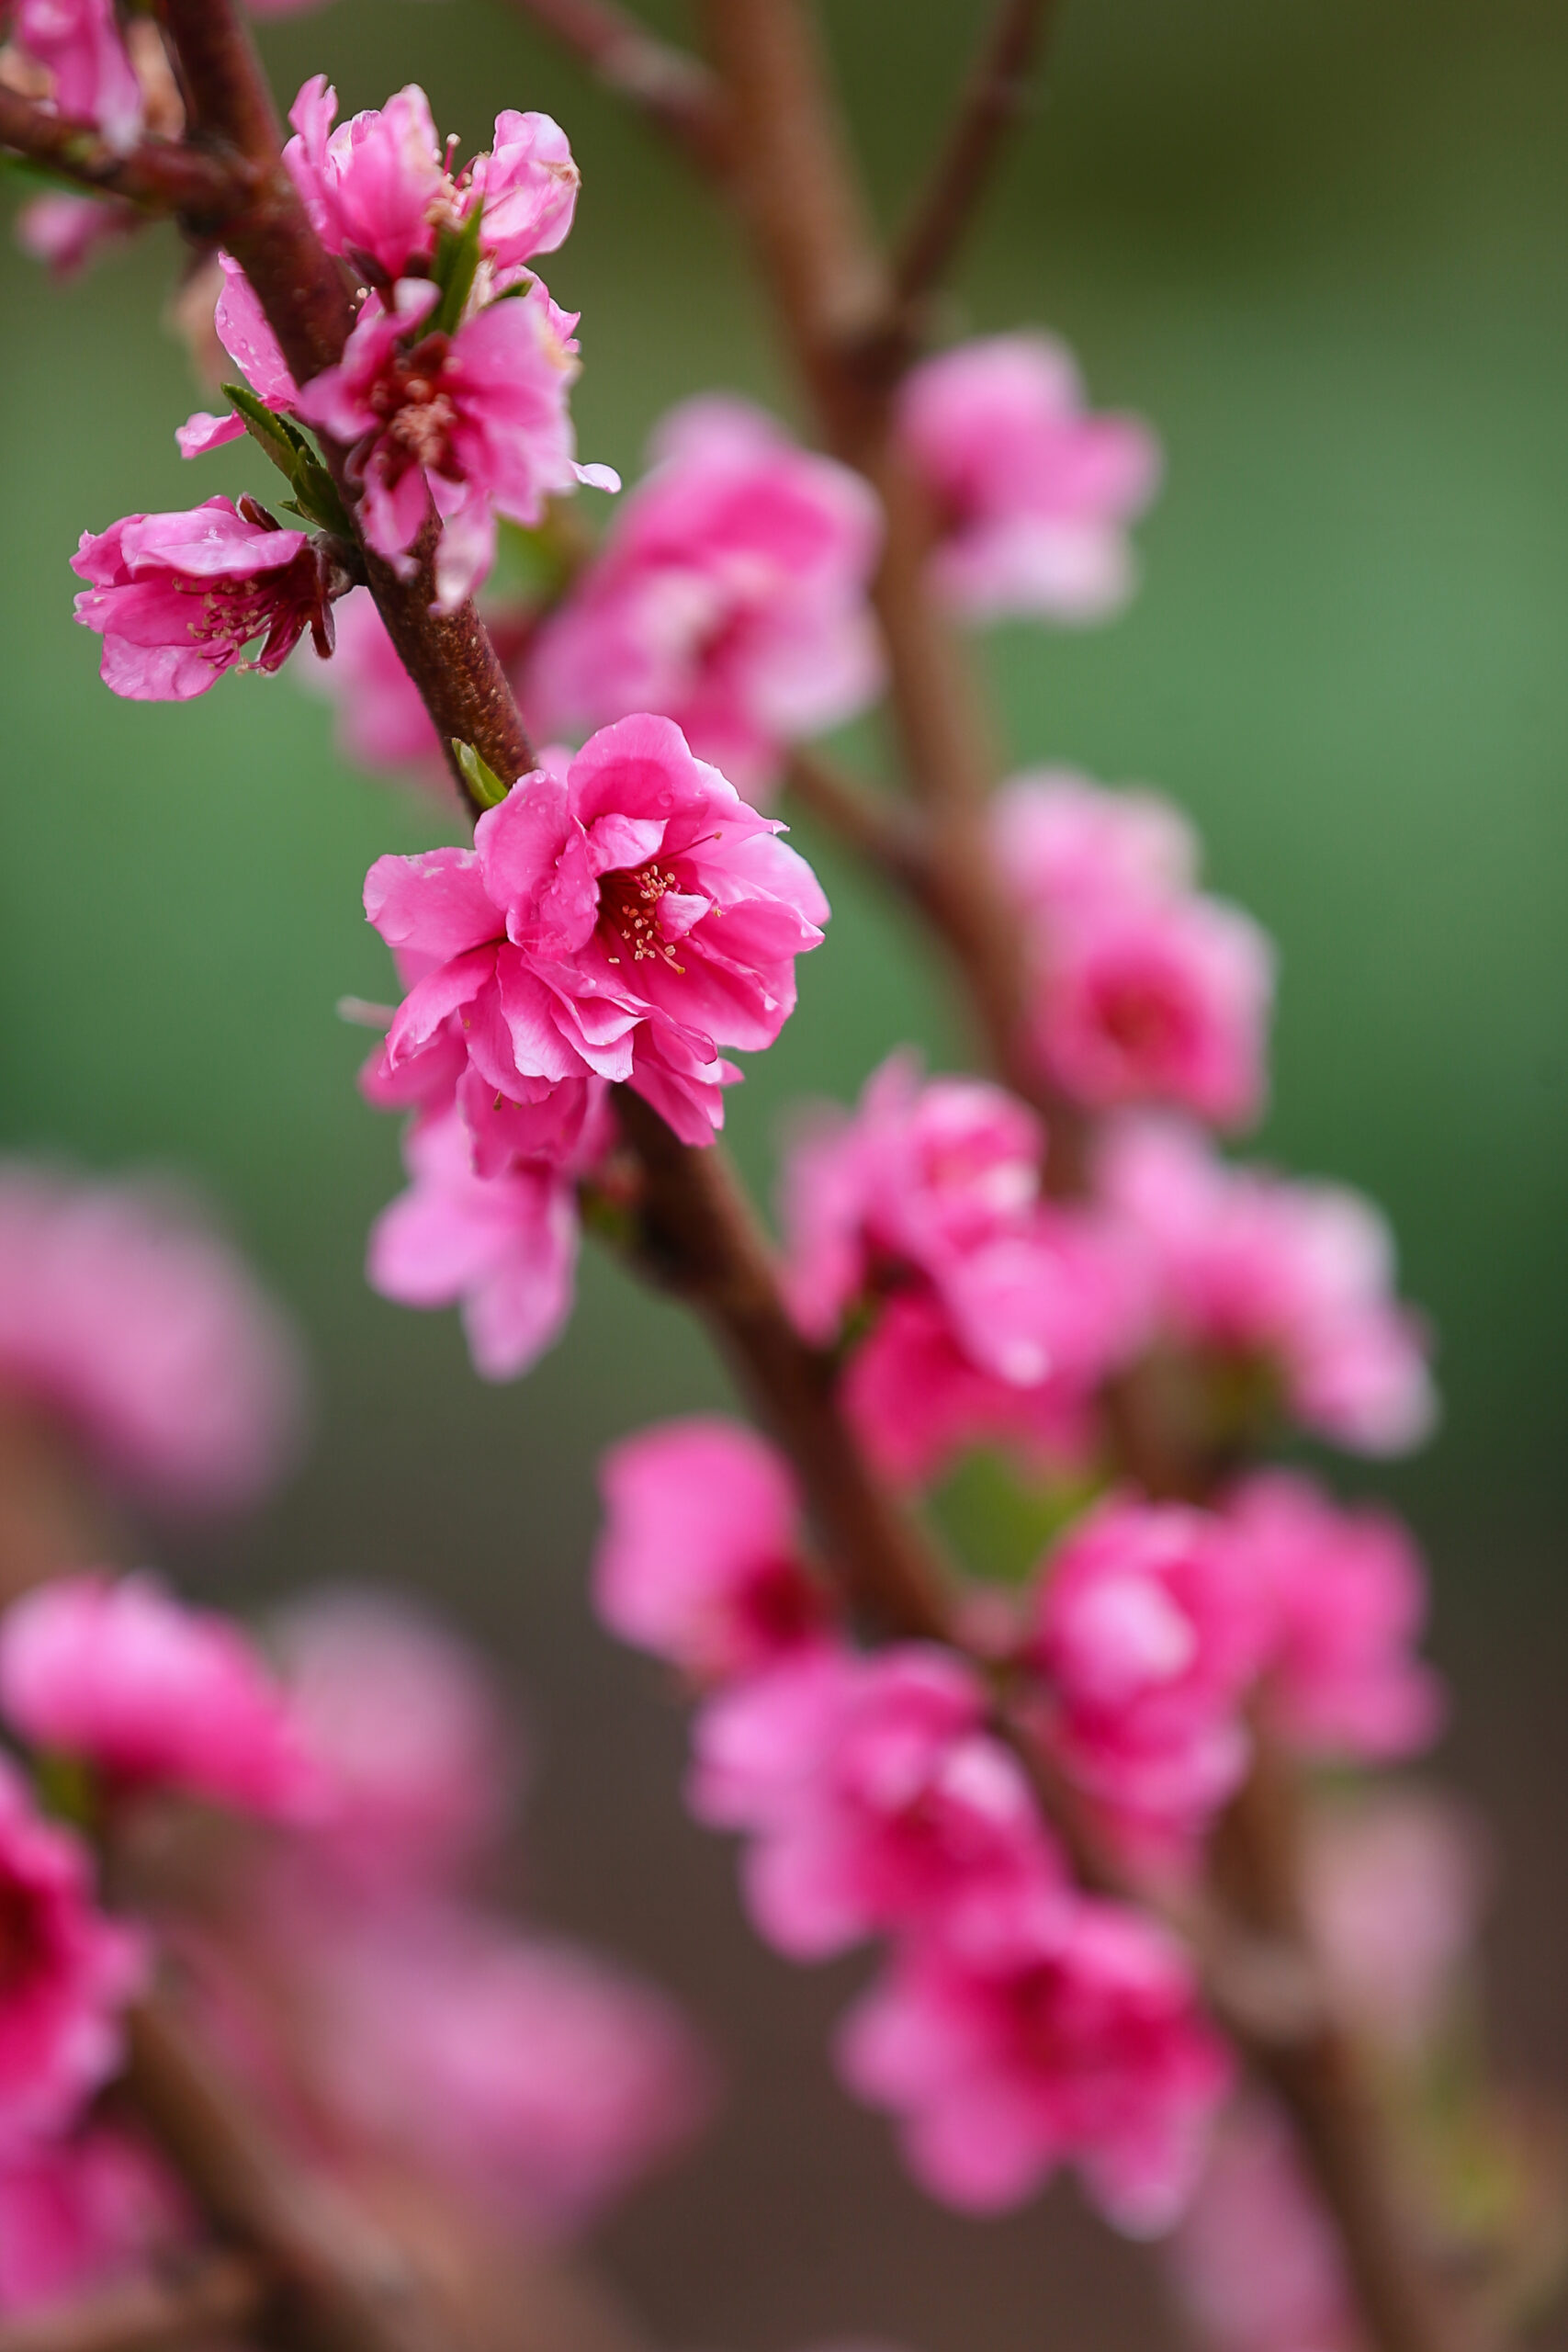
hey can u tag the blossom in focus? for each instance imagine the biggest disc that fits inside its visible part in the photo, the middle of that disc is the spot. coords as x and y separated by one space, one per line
1057 2031
381 718
417 1758
1145 989
536 2079
1393 1883
926 1201
467 425
377 189
623 921
1348 1597
701 1559
81 2215
177 598
729 594
1255 2260
143 1332
1293 1280
502 1246
67 232
1032 492
69 1972
240 325
1150 1630
92 79
152 1695
877 1795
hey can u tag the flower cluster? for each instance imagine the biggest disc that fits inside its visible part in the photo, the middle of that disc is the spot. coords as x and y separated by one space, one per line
622 916
79 49
1144 989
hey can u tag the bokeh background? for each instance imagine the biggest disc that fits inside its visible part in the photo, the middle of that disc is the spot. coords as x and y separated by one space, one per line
1323 248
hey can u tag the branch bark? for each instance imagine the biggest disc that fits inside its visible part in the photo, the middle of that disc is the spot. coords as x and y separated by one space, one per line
159 175
150 2315
669 85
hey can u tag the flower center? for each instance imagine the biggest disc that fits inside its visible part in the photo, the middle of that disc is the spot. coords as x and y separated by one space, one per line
629 910
418 415
19 1951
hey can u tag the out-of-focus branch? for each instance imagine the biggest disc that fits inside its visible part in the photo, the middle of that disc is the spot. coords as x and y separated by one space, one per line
159 175
149 2315
310 307
998 92
669 85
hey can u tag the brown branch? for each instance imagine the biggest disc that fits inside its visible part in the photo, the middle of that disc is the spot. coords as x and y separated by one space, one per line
998 92
673 88
158 175
148 2315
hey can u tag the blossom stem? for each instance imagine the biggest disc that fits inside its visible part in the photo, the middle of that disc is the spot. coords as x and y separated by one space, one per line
147 2315
673 88
159 175
998 95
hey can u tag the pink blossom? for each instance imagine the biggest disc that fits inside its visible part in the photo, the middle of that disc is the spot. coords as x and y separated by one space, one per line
466 425
68 232
701 1559
1255 2259
1348 1595
78 43
381 718
418 1757
378 188
1393 1883
1291 1279
143 1332
1150 1631
81 2215
729 593
240 325
877 1797
1057 2031
69 1972
177 598
505 1246
152 1695
1144 991
536 2079
624 921
1032 492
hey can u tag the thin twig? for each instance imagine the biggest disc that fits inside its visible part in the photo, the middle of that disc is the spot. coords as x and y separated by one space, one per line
998 92
146 2316
158 175
669 85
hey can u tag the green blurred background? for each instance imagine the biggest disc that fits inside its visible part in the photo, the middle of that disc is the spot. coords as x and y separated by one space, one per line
1324 250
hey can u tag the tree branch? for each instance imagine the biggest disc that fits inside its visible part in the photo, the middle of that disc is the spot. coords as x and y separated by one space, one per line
149 2315
158 175
998 92
673 88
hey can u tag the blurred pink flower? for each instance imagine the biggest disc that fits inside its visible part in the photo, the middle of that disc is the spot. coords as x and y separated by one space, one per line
78 42
1294 1278
381 718
1347 1593
177 598
1150 1630
1145 989
877 1795
418 1760
68 232
729 594
125 1317
535 2078
240 323
81 2215
1255 2259
1057 2031
625 921
700 1559
154 1694
505 1246
1394 1884
1032 492
69 1972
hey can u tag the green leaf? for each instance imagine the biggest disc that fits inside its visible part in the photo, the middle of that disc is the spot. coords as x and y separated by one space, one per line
318 496
454 270
482 780
283 442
